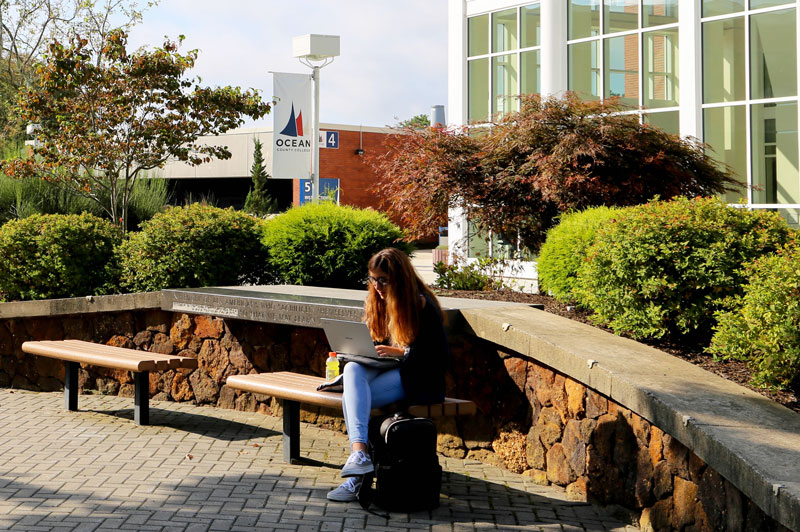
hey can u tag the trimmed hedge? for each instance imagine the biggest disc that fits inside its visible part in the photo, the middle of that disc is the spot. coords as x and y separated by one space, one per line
56 255
192 246
325 244
762 325
565 248
664 268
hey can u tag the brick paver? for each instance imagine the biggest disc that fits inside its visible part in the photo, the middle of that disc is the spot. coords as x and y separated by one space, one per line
205 469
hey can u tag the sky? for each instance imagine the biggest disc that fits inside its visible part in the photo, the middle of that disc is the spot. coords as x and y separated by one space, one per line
393 62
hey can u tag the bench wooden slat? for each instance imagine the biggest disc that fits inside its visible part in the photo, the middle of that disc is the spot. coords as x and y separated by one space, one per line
162 361
52 350
107 356
303 389
286 385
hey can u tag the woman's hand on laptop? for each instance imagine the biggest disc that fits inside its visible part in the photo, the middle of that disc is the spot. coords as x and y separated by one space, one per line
390 351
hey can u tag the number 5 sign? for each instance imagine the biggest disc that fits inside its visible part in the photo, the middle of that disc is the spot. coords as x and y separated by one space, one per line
329 139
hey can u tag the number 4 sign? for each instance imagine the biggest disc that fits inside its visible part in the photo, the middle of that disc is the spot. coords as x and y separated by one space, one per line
329 139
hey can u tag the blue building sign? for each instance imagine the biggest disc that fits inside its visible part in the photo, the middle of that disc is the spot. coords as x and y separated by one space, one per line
329 139
327 188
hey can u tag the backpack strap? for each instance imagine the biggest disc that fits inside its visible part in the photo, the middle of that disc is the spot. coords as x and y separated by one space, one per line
366 495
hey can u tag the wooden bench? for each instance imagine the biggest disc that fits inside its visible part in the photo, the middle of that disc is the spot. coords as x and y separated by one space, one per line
141 363
295 389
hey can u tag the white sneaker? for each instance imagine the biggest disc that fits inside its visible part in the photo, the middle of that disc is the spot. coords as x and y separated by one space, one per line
347 492
359 463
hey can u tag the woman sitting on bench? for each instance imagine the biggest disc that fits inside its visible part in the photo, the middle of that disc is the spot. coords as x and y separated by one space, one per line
405 320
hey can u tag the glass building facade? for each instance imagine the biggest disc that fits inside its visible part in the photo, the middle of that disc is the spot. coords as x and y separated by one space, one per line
722 71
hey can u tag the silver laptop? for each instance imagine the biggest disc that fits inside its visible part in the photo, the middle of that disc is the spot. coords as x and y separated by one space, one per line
349 337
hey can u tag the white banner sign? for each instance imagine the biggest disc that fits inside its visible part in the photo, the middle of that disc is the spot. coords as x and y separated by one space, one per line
291 139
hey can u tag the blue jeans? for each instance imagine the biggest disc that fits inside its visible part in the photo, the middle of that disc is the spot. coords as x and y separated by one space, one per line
365 389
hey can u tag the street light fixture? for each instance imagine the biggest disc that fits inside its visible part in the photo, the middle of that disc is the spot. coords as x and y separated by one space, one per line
316 52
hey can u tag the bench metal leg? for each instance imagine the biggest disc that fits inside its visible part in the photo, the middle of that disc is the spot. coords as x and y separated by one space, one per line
291 431
141 409
71 385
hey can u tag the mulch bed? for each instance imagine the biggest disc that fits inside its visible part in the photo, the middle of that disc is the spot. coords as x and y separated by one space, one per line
733 370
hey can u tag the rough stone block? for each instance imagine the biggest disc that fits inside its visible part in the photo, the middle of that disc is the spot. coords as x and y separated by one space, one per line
517 369
662 480
596 404
227 398
558 469
181 331
576 394
208 327
656 445
657 518
578 490
684 500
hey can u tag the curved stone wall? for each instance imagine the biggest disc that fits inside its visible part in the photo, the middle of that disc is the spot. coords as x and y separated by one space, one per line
552 405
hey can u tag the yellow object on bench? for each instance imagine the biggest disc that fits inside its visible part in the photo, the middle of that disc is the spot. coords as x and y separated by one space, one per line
295 388
141 363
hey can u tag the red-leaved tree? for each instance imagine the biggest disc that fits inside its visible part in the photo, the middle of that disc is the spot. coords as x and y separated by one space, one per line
554 155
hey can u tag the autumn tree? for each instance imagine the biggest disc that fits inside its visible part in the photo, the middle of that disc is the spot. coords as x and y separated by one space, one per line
105 122
554 155
26 28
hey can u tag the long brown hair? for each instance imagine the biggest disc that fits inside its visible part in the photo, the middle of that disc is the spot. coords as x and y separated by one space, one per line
396 317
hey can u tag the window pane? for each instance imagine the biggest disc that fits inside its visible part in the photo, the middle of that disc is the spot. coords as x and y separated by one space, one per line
658 12
531 24
721 7
584 18
773 64
661 68
755 4
621 60
621 15
584 69
723 61
774 142
504 30
478 35
478 90
668 121
478 241
530 72
505 88
725 131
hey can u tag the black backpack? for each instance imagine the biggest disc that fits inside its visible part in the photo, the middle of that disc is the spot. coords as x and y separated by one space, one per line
407 474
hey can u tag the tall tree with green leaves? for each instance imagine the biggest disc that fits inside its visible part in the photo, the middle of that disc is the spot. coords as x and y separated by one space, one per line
105 121
258 200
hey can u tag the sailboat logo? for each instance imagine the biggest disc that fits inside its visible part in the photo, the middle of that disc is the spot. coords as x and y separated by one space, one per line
294 127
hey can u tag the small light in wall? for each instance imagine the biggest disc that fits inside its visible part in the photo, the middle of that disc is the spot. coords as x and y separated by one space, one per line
359 151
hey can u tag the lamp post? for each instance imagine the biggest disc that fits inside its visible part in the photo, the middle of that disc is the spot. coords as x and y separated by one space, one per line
316 52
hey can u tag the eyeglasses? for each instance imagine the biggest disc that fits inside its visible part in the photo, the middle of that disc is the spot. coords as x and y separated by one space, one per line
380 281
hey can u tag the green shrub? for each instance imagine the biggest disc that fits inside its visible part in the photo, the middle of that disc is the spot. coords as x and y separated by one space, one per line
565 248
196 245
327 245
477 275
662 269
52 256
762 325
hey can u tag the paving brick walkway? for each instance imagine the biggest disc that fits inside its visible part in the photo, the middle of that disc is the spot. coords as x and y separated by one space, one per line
206 469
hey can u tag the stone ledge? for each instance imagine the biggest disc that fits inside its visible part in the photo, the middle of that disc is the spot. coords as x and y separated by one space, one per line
748 439
80 305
